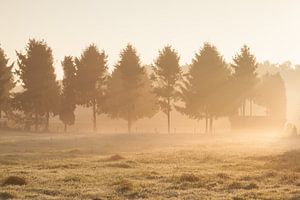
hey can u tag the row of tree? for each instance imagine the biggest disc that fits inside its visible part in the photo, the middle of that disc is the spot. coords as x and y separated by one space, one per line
209 89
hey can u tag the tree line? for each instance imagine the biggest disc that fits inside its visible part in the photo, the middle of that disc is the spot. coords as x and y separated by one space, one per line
210 88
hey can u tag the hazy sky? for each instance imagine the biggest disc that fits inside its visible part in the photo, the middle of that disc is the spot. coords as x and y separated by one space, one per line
270 27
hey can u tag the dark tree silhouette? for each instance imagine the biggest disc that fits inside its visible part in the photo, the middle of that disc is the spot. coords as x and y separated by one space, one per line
91 79
166 76
68 96
41 90
245 75
204 88
130 94
6 82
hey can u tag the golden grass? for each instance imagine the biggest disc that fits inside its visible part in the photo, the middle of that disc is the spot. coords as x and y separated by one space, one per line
150 166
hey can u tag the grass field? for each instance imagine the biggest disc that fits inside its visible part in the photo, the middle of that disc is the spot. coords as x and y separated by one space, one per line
148 166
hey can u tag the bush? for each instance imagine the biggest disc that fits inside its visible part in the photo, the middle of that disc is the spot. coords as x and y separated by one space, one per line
14 180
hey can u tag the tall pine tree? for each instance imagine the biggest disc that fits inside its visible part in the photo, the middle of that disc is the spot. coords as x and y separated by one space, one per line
68 96
91 80
41 90
130 94
6 81
245 76
166 76
205 87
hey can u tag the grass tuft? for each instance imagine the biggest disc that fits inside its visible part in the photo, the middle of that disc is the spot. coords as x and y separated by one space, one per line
124 186
290 178
188 177
115 157
235 186
295 197
270 174
6 195
72 179
223 175
14 180
238 186
250 186
119 165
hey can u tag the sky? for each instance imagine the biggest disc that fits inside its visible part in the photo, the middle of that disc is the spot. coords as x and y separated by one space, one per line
270 27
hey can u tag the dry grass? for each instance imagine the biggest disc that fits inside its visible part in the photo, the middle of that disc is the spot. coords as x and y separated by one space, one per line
149 167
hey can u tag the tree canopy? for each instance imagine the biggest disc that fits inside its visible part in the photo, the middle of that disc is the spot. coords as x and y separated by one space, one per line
166 76
130 95
204 87
245 76
68 96
91 77
6 81
271 94
41 90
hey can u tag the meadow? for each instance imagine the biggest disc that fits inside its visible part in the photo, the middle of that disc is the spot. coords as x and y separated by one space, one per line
149 166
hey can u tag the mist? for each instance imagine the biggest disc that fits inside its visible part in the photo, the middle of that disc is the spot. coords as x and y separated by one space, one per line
149 100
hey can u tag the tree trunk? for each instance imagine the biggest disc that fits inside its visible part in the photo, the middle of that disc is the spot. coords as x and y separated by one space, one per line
250 106
36 122
211 124
244 108
169 115
94 116
47 122
129 123
206 123
168 121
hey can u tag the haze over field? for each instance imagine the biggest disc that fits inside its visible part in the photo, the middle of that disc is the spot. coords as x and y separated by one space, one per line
141 99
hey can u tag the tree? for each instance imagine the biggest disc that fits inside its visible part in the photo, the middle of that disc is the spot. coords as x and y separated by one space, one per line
166 75
41 90
271 94
204 91
245 75
6 81
130 94
91 79
68 96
